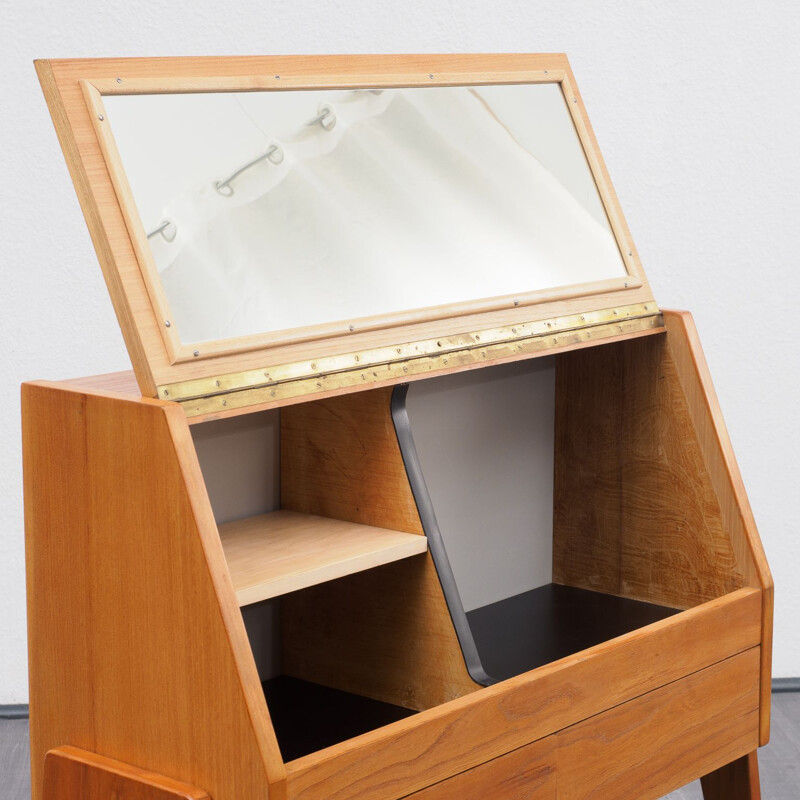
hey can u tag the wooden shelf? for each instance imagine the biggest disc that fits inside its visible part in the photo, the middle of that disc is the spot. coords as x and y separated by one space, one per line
277 553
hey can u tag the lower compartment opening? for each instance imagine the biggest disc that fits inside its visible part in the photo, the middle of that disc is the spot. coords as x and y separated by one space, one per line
308 717
512 636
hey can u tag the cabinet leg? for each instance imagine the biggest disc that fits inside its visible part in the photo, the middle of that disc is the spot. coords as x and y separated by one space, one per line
73 774
735 781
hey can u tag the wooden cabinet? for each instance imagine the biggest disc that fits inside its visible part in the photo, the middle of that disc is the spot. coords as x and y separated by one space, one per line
315 639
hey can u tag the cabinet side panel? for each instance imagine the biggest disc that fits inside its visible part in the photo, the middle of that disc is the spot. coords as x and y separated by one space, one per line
695 378
136 652
635 511
58 577
385 633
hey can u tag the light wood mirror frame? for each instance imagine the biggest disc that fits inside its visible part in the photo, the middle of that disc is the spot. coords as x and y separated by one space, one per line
231 375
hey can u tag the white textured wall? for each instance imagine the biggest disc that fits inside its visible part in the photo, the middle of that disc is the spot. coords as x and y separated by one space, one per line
694 104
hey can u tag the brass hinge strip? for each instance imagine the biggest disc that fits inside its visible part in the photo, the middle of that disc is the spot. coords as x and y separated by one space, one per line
474 348
269 376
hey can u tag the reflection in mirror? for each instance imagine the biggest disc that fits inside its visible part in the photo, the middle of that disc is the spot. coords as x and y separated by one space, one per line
278 210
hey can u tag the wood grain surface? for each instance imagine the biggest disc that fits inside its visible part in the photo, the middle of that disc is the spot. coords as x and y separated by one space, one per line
73 774
340 459
649 501
137 645
526 774
656 743
723 470
635 510
738 780
118 382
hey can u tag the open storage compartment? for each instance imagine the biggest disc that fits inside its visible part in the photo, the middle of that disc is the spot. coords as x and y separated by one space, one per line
487 449
272 553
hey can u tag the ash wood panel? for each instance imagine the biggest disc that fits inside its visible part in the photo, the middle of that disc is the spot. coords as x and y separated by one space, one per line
735 781
726 478
635 510
645 415
137 646
661 741
436 744
526 774
340 459
281 552
386 633
142 326
73 774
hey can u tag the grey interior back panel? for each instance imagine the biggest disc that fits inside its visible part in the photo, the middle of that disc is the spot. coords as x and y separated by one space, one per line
240 461
484 440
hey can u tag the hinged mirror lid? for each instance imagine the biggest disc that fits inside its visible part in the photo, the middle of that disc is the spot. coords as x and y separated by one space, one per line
275 227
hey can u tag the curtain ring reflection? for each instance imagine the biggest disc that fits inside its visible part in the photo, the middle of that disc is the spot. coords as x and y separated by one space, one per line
168 230
326 117
274 154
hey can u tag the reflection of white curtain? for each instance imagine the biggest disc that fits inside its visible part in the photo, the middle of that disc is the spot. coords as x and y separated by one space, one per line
428 202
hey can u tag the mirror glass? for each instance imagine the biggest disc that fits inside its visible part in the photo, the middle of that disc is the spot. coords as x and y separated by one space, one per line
275 210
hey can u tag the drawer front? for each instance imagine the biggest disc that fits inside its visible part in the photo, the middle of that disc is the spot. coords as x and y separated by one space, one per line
526 774
654 744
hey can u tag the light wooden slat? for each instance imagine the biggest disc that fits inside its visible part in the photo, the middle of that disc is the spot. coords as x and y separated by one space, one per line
281 552
434 745
657 743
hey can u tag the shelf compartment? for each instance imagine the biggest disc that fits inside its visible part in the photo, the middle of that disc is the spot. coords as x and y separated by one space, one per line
273 554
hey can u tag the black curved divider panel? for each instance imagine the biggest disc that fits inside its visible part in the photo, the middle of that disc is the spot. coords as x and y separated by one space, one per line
527 630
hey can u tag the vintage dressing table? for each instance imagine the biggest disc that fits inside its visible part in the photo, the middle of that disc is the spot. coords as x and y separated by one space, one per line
413 491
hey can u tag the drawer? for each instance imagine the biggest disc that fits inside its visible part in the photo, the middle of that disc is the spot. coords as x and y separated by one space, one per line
525 774
650 746
640 750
